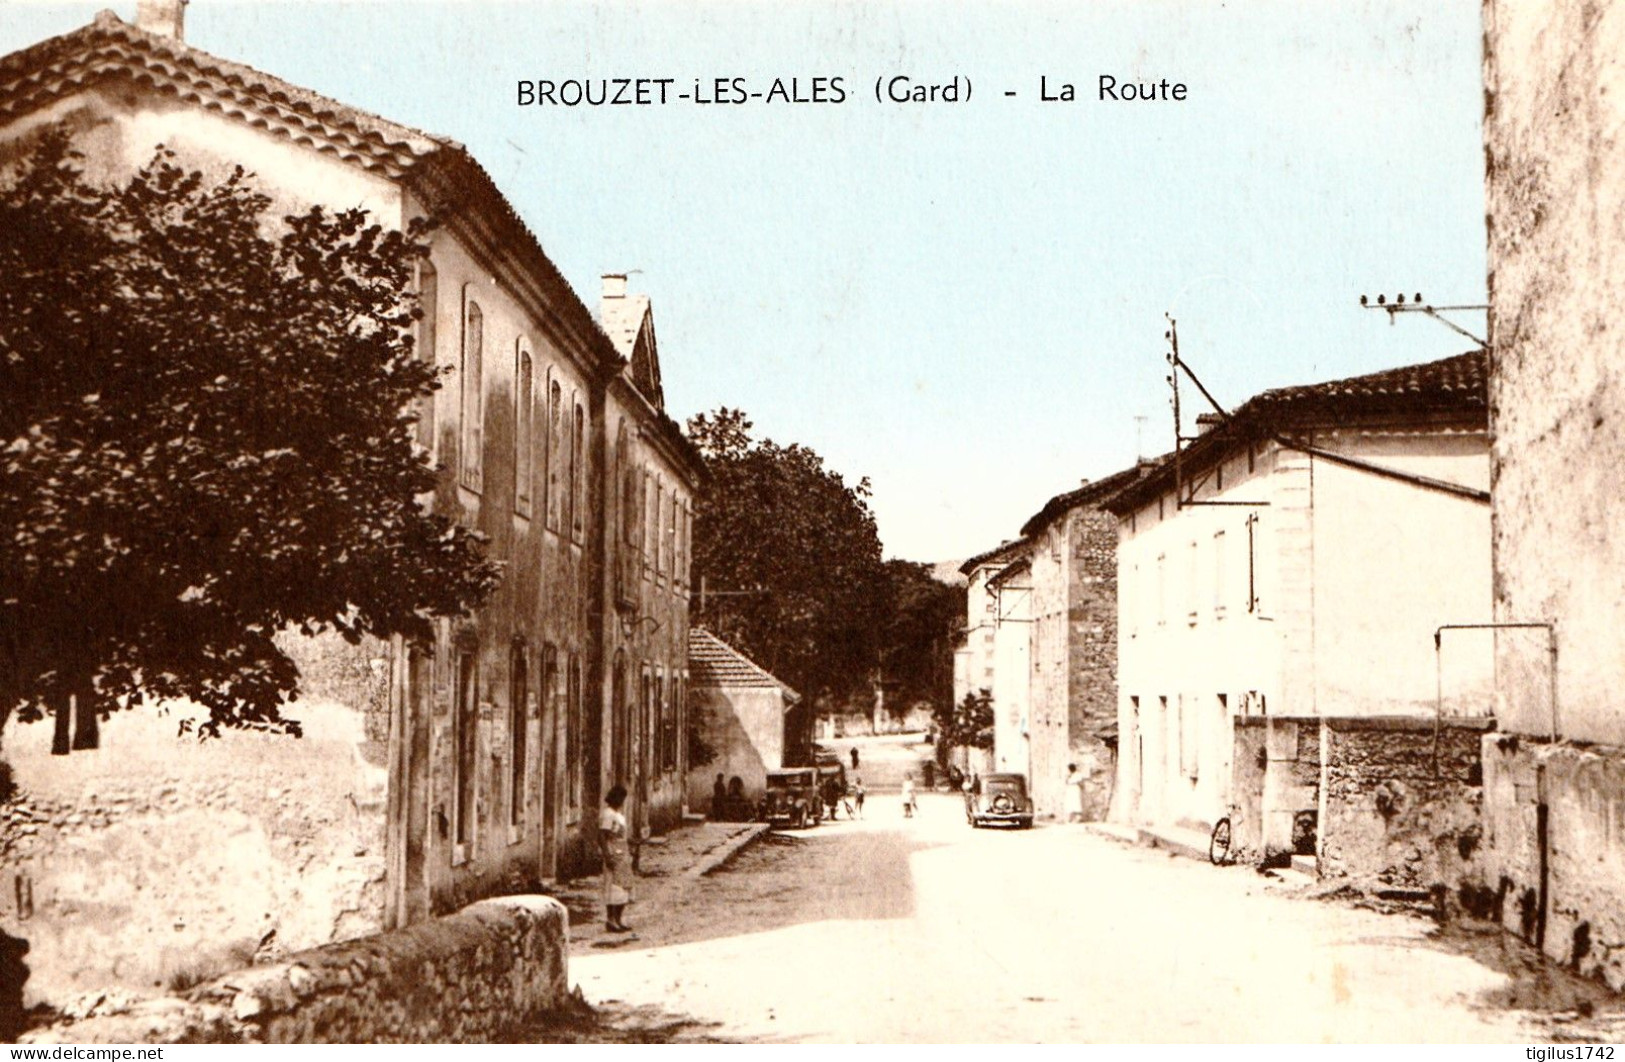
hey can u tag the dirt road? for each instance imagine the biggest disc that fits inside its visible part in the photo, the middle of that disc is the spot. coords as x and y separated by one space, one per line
894 930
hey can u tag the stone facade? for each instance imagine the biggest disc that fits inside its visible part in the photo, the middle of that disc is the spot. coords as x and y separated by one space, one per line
479 976
501 733
1074 648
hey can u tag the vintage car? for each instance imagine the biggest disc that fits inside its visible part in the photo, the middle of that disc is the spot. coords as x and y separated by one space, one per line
792 798
1003 799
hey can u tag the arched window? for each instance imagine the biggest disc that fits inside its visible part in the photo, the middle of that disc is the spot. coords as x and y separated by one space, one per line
518 717
428 302
473 392
524 432
465 721
555 454
578 473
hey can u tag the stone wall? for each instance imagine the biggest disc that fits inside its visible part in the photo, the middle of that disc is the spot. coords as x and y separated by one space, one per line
158 860
1247 772
1400 801
1580 795
477 976
1092 655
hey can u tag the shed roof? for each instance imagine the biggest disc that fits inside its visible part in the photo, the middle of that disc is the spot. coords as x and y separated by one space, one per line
713 662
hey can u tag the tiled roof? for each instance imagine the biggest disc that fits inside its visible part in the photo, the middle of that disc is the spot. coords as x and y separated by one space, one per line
1091 492
1454 389
1459 382
713 662
1004 551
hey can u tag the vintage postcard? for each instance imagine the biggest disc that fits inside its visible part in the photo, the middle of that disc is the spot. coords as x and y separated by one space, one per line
891 522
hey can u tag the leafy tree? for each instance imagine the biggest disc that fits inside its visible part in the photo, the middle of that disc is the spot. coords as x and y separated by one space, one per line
207 437
968 724
923 614
794 548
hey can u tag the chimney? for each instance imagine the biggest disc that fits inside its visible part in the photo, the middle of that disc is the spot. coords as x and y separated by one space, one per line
614 285
166 18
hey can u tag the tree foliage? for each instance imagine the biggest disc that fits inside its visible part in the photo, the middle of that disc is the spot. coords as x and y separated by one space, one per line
968 724
917 640
207 436
794 549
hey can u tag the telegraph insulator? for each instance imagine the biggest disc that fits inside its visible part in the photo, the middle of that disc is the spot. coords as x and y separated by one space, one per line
1418 297
1363 300
1401 300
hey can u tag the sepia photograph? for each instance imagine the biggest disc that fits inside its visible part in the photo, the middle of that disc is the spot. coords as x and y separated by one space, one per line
1120 538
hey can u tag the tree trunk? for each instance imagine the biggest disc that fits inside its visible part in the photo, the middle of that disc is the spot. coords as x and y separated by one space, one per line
60 741
86 724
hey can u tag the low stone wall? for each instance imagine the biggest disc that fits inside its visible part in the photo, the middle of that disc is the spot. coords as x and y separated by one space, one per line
478 976
1400 801
1580 793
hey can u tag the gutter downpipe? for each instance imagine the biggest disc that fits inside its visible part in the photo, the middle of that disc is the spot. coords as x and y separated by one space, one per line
1438 669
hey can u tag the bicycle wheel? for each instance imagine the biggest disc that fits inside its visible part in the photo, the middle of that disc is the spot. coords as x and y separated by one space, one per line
1218 846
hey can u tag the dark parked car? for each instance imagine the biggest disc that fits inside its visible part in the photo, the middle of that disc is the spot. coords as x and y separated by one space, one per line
1003 799
792 798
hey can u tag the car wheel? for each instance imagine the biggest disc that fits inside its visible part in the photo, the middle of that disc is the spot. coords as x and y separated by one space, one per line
1026 824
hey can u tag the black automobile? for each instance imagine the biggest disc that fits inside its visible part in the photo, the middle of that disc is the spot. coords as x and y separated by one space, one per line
1002 800
792 798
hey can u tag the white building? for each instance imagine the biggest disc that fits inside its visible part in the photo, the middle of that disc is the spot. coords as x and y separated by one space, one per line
1296 561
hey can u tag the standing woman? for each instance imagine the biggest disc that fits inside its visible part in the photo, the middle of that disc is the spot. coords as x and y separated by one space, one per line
1074 793
613 845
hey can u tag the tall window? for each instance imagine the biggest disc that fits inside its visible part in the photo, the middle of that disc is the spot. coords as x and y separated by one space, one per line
473 390
524 431
578 474
551 680
671 536
555 454
572 736
661 562
428 301
465 720
650 521
1192 584
518 717
668 724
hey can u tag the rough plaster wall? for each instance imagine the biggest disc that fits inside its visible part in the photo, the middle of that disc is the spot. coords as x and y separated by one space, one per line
157 859
1555 106
1584 790
479 976
746 728
1393 814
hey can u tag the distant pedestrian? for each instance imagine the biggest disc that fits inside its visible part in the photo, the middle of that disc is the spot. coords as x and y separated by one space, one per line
1074 793
857 796
908 796
719 800
614 846
854 757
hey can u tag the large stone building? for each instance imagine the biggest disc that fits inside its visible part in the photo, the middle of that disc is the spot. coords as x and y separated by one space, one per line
1554 812
1073 696
1295 564
500 735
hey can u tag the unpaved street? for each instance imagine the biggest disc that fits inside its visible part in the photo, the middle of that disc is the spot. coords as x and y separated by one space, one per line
891 930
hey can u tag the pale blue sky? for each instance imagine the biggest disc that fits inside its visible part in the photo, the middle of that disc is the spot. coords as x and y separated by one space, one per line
964 303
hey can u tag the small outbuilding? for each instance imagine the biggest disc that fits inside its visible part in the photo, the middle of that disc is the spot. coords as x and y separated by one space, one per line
737 713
